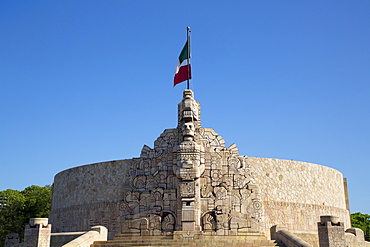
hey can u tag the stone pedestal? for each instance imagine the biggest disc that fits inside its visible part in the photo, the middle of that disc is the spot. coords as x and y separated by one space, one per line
331 232
11 239
37 233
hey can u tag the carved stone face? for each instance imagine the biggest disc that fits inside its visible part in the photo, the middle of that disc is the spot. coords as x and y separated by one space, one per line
188 129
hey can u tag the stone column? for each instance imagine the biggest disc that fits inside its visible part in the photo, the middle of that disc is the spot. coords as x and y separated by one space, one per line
188 171
331 232
189 162
37 233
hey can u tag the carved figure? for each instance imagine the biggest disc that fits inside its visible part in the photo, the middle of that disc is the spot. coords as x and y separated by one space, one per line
209 222
168 222
188 130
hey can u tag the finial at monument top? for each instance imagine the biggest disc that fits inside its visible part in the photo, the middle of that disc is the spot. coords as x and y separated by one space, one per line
189 109
188 94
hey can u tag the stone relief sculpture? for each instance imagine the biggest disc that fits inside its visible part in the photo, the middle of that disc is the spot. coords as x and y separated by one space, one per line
168 222
190 182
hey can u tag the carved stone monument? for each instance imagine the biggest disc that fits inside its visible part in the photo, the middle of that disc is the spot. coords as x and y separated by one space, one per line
190 182
190 185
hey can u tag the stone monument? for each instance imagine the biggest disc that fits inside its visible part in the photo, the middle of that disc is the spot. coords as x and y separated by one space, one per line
190 182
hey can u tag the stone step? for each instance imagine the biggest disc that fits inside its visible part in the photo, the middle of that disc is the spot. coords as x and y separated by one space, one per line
248 237
195 243
250 240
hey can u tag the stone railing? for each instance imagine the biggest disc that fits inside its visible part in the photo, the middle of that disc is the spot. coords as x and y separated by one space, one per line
97 233
281 234
61 238
38 234
355 237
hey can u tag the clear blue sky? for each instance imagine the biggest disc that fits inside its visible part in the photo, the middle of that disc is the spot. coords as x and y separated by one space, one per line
90 81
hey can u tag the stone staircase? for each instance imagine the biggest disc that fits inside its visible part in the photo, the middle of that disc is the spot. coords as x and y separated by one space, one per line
207 241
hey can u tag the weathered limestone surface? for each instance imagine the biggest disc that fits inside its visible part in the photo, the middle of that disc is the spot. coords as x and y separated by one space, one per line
94 183
297 193
89 195
191 182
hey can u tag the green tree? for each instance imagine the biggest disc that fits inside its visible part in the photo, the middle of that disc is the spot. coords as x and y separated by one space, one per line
11 215
33 202
38 201
361 221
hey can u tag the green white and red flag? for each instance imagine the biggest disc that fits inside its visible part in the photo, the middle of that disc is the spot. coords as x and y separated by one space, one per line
183 68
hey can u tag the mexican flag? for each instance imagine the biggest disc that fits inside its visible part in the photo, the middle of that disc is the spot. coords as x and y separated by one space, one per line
183 69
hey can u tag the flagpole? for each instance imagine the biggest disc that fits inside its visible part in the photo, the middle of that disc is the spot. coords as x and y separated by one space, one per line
188 55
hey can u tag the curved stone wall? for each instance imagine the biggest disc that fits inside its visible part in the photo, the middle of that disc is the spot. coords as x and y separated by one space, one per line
87 196
295 193
94 183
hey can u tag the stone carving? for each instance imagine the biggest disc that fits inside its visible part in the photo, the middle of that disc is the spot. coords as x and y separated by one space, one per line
189 109
187 189
189 180
168 139
168 222
209 222
207 191
190 171
188 130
